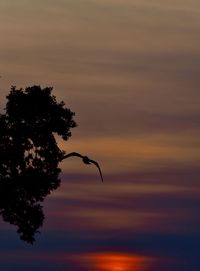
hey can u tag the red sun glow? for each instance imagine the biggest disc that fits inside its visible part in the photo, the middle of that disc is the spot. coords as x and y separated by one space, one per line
115 262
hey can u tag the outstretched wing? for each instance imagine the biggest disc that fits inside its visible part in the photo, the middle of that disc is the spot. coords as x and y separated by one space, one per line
72 154
97 165
84 157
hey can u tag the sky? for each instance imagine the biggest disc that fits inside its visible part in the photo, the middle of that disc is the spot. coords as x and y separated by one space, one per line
130 71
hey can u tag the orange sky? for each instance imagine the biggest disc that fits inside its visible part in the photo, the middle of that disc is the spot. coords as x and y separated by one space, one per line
130 71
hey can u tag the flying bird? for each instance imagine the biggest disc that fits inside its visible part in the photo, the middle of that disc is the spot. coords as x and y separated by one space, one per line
86 160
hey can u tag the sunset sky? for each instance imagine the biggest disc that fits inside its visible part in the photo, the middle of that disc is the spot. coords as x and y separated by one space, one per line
130 70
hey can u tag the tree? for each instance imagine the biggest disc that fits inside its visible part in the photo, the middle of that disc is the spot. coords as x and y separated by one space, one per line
29 155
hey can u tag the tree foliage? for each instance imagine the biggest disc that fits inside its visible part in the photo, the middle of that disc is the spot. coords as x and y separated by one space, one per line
29 155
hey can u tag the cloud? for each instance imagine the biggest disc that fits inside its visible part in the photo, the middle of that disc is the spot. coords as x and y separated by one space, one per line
164 201
127 154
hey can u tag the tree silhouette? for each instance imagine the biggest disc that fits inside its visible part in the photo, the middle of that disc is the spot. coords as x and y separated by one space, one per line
29 155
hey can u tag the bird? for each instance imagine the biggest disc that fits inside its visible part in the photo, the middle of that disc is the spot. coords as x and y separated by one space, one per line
86 160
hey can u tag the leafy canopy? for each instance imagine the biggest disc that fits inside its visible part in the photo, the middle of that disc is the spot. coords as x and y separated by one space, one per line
29 155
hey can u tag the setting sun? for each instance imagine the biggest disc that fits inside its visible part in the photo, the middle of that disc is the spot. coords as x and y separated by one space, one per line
116 262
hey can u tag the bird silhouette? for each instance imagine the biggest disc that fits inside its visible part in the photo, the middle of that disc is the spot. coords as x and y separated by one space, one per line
85 159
